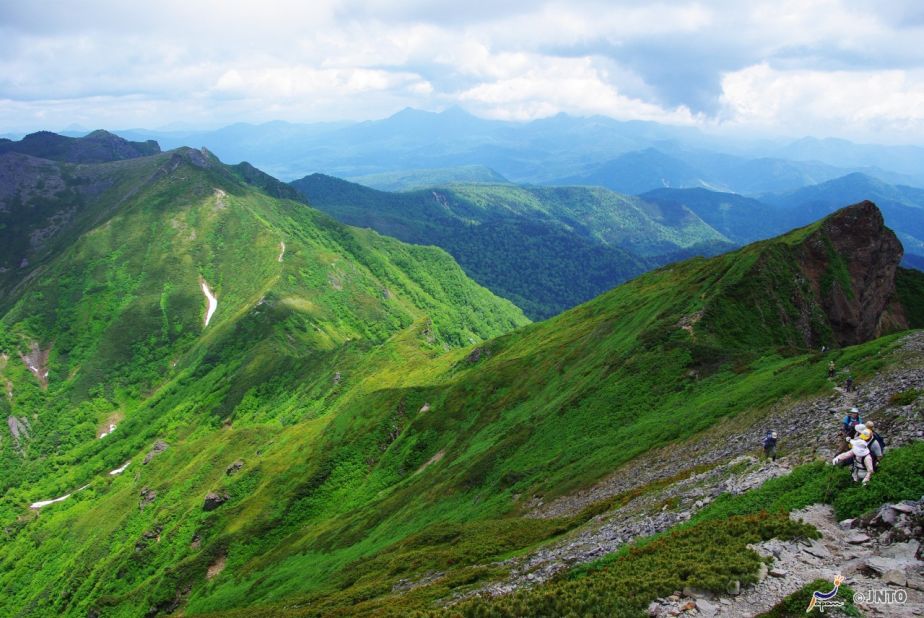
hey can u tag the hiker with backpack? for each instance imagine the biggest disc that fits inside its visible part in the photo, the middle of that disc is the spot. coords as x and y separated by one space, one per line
832 370
770 445
876 445
851 421
860 456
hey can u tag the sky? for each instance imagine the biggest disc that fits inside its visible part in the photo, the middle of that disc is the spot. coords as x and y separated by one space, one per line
844 68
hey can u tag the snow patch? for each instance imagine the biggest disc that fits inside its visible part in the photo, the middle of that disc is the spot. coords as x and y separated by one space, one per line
112 427
44 503
121 469
212 301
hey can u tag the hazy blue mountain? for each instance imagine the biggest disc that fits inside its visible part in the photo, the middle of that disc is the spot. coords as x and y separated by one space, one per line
902 207
631 157
741 219
637 172
416 179
843 153
96 147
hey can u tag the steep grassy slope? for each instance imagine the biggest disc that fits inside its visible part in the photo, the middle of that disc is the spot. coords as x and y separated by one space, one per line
547 249
371 454
113 329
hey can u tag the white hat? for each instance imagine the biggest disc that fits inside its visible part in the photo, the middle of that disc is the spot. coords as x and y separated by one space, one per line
854 411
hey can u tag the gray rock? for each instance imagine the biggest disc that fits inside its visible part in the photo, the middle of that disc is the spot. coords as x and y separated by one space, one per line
654 609
147 496
880 565
895 577
159 447
858 538
777 572
903 507
847 524
818 550
734 588
234 467
214 499
706 608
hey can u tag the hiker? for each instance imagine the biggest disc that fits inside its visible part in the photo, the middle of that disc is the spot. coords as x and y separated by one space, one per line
859 454
832 370
770 445
848 385
851 421
876 445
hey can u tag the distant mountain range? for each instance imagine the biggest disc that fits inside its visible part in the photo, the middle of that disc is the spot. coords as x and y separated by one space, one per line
558 150
544 248
550 248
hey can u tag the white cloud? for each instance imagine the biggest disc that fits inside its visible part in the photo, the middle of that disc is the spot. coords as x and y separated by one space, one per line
542 86
860 104
768 65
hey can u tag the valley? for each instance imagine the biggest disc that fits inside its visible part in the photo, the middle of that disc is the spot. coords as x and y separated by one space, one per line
340 423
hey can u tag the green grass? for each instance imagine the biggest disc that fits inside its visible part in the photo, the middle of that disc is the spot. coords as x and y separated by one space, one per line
378 447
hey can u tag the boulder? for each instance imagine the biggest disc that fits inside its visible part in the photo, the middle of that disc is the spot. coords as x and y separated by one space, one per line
214 499
147 496
818 550
159 447
895 577
234 467
706 608
777 572
858 538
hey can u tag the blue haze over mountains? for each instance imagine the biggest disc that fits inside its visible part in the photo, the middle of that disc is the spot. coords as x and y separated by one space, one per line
714 192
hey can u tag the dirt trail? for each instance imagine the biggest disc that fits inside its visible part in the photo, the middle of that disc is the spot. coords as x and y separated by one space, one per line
866 565
210 298
809 431
282 249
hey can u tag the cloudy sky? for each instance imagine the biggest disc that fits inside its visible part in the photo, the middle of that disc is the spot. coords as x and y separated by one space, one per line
847 68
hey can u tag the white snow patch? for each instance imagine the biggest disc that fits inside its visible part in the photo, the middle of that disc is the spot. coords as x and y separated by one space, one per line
121 469
213 302
43 503
112 427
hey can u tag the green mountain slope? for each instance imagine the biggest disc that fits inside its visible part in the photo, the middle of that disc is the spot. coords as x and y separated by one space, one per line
372 451
544 248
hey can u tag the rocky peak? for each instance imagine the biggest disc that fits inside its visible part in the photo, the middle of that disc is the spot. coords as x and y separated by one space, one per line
850 261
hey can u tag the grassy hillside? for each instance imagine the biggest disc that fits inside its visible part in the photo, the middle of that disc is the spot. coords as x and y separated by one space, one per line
373 450
545 248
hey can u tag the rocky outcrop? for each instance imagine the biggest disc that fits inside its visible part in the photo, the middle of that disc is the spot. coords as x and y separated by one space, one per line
159 447
850 262
234 467
215 499
146 497
36 361
20 429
